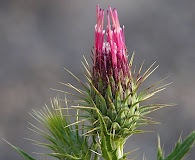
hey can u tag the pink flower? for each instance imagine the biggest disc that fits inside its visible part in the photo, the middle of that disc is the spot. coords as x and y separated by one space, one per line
110 53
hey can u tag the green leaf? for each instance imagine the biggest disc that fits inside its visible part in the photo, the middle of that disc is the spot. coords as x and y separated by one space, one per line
181 148
63 135
160 151
25 155
106 142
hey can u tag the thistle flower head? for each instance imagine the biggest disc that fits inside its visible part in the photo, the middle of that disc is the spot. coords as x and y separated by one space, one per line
114 85
110 53
111 101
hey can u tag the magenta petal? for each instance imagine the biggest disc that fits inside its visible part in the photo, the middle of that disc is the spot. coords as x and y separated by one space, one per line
110 54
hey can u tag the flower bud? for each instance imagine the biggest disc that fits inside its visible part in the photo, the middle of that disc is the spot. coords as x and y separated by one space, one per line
110 53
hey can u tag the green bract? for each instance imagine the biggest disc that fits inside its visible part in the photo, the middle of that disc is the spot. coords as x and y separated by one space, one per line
116 109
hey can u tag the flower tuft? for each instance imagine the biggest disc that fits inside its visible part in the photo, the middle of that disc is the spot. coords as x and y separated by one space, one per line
110 54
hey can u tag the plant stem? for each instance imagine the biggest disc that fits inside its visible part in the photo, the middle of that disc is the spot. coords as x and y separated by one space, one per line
120 151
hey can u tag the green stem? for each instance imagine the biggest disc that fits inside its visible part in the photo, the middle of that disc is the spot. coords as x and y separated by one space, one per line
120 151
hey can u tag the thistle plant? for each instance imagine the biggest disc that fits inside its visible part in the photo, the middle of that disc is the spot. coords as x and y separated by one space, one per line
109 106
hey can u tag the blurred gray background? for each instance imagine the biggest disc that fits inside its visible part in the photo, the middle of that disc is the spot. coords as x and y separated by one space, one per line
40 37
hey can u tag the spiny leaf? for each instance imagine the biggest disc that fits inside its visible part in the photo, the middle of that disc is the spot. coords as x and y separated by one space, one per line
76 78
25 155
160 155
64 136
106 147
182 148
